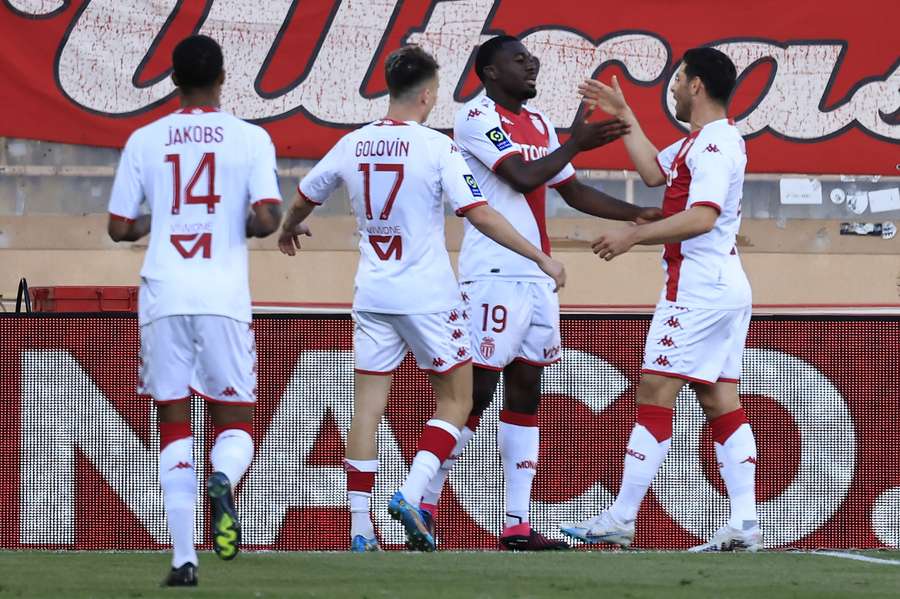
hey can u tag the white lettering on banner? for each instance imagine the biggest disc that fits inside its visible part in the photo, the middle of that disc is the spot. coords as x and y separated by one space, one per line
827 453
885 523
110 40
280 478
57 394
793 103
580 375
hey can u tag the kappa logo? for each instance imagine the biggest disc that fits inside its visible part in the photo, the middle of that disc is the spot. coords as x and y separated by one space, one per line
454 316
465 315
465 297
474 113
487 347
462 353
551 352
454 148
667 342
505 120
473 186
499 139
526 465
438 362
673 323
457 333
662 361
749 460
636 454
181 466
229 392
711 148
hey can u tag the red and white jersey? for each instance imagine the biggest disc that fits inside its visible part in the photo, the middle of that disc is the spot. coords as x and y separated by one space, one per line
706 169
396 173
488 134
199 170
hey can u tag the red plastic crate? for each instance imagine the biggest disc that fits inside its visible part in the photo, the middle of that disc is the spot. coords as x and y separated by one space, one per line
84 299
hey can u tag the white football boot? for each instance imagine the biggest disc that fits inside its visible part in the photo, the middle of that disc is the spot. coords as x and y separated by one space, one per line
602 528
728 538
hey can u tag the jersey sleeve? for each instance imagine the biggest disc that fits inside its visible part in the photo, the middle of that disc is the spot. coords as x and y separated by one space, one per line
457 181
263 184
710 178
127 190
320 182
484 138
666 157
568 171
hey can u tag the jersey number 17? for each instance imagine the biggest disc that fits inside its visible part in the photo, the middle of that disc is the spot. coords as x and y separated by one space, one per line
385 246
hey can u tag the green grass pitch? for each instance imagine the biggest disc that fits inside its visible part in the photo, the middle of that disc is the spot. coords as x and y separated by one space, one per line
455 575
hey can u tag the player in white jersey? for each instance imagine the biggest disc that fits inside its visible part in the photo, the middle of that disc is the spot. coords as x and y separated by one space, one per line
209 181
698 331
514 153
406 296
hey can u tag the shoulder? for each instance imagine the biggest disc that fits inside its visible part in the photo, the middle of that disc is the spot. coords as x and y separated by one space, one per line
478 111
252 132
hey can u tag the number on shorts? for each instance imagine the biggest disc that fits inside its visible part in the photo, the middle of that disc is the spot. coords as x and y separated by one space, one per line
498 318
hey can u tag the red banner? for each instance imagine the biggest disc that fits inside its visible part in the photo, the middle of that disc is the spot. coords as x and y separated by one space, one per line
819 90
78 449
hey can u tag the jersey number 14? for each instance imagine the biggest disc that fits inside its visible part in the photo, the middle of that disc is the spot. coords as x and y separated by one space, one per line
202 241
385 246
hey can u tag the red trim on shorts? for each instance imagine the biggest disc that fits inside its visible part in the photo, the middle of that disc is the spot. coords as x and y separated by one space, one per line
710 204
169 432
449 370
247 427
518 419
168 401
468 207
373 372
503 158
724 380
266 201
307 198
209 399
119 217
487 367
533 363
675 375
564 181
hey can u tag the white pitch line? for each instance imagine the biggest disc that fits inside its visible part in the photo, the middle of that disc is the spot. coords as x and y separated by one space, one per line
859 558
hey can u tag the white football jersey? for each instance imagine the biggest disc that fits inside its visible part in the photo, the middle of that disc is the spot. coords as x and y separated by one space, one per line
395 173
488 134
200 170
706 169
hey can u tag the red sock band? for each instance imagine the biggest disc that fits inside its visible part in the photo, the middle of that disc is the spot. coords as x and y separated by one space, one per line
247 427
657 420
472 422
361 482
437 441
169 432
517 418
430 508
724 426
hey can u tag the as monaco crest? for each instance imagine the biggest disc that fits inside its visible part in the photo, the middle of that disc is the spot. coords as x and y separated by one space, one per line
487 347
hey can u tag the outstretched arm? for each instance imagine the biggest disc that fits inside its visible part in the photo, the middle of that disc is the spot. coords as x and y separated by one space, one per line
589 200
640 149
263 219
694 221
293 227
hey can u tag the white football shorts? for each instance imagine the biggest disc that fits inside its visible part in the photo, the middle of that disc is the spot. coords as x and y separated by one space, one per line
212 356
512 321
699 345
439 341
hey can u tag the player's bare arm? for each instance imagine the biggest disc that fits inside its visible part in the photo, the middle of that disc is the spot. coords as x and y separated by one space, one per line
294 227
263 219
589 200
525 176
641 150
128 230
492 224
676 228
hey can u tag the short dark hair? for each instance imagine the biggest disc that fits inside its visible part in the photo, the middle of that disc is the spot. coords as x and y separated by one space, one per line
408 67
714 69
197 62
486 51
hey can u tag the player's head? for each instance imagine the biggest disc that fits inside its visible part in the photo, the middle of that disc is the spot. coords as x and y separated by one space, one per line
503 63
197 64
411 74
706 75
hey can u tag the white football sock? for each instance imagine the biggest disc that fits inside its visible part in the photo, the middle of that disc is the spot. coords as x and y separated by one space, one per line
433 490
179 484
360 481
642 460
435 445
519 447
232 454
738 469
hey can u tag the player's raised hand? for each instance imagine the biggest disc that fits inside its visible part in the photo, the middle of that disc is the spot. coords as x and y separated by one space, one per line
609 99
555 270
614 243
588 136
289 241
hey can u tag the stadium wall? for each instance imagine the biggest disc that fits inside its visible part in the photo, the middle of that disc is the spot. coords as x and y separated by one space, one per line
78 449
